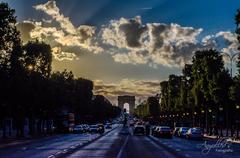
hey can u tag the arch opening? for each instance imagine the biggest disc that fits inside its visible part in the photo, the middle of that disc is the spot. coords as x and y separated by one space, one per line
126 106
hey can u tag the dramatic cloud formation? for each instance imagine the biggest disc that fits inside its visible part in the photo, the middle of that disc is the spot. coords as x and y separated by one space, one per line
160 44
128 41
60 33
140 89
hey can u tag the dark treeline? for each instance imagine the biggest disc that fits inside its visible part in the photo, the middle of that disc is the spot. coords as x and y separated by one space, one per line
205 95
30 90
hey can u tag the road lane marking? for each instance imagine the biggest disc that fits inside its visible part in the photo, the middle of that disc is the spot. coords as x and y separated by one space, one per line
51 156
122 148
166 153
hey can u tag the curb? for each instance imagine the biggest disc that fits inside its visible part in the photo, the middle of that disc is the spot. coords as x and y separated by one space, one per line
74 148
172 151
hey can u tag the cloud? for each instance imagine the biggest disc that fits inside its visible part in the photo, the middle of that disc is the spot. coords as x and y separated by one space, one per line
139 88
62 55
128 41
60 33
25 28
152 44
53 11
160 44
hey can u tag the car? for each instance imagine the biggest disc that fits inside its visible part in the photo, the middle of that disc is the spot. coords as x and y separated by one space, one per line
164 132
139 130
131 123
78 129
85 127
182 131
175 131
108 126
93 128
194 133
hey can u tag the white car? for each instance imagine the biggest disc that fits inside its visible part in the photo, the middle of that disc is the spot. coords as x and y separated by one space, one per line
139 130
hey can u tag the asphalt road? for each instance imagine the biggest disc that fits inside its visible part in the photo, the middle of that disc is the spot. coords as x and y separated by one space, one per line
120 143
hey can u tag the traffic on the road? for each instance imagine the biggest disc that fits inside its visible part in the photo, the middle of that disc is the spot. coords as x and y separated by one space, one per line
135 139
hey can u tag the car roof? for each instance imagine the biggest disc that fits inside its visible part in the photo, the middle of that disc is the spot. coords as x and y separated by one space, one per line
139 126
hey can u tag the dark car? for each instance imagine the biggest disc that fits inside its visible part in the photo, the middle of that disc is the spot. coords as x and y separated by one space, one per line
108 126
139 130
194 133
164 131
182 132
93 128
78 129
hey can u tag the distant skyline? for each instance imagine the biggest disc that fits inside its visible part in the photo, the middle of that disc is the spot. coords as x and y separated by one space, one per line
127 46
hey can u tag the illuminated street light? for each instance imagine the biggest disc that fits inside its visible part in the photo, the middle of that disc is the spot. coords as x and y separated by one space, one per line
210 110
220 108
195 113
202 111
237 107
187 113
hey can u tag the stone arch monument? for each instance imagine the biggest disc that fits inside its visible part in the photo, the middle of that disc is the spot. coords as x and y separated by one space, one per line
127 99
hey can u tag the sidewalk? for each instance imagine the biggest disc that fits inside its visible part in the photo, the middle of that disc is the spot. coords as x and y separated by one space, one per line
7 142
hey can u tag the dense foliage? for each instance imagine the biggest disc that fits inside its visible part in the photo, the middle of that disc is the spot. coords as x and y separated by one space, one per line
204 95
30 90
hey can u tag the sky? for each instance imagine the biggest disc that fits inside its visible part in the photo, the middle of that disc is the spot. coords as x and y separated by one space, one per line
127 47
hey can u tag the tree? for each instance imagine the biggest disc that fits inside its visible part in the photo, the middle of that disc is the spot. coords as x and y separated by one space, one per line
154 107
208 88
38 58
10 51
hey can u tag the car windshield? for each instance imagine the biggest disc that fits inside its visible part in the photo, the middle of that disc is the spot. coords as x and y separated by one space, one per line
196 130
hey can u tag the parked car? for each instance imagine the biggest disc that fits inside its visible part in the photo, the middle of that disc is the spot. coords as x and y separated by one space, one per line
194 133
131 123
93 129
78 129
108 126
175 131
139 130
182 132
85 127
164 131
